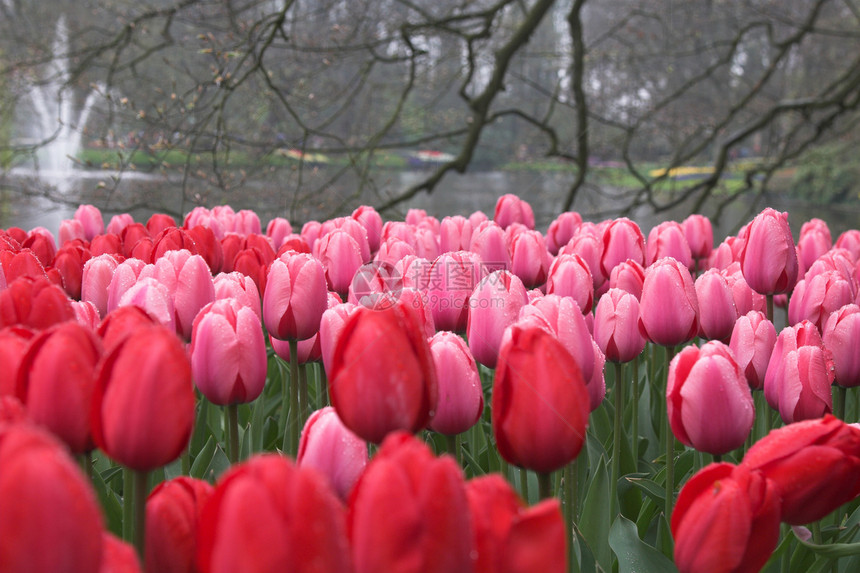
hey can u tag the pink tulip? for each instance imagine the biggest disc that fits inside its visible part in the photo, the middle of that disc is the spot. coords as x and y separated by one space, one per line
451 279
561 230
588 244
491 246
746 299
842 339
91 220
277 230
669 308
478 217
341 257
667 239
512 209
816 296
96 279
228 353
461 398
331 324
295 297
333 450
240 287
371 220
850 240
455 234
124 277
119 222
530 259
708 400
351 227
616 326
493 306
417 302
814 240
700 235
393 249
717 317
426 243
753 338
726 253
557 314
622 241
86 314
189 283
154 298
628 276
569 275
799 374
769 259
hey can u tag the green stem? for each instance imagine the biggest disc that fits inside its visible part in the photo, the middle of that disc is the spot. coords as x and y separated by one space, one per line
670 448
635 424
524 484
304 399
185 460
86 461
452 444
841 397
141 489
231 416
323 388
616 440
544 484
291 436
718 458
127 505
570 506
769 307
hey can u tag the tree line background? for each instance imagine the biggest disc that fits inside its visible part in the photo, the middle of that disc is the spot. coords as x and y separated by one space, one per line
237 94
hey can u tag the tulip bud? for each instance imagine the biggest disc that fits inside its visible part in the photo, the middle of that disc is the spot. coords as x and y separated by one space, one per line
700 235
769 258
753 337
726 519
511 209
669 307
622 241
295 297
814 464
717 317
570 275
708 400
172 521
493 306
667 239
616 326
561 230
461 397
332 449
540 402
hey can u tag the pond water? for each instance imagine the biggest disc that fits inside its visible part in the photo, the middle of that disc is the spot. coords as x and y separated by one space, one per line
27 201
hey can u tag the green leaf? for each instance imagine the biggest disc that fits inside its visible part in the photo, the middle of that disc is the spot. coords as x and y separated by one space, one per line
203 459
833 550
651 488
595 519
109 500
635 556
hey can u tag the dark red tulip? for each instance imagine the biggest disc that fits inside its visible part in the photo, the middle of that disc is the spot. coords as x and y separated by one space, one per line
69 261
268 516
171 239
172 521
540 402
143 405
56 381
409 512
726 520
382 374
814 464
51 520
508 536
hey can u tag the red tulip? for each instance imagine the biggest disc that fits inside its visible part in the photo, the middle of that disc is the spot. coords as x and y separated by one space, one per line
69 262
570 275
171 239
814 464
20 263
508 536
769 258
51 521
540 403
119 222
708 400
333 450
616 326
726 520
14 342
120 323
493 306
56 381
268 516
408 512
228 353
842 339
753 338
622 241
118 556
131 235
143 405
35 304
558 315
511 209
208 247
42 246
561 230
158 222
382 376
295 297
668 308
461 397
172 521
799 374
717 317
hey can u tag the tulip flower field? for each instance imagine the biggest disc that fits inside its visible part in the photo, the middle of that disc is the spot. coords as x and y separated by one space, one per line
468 394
